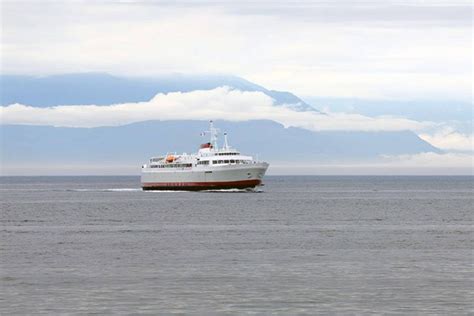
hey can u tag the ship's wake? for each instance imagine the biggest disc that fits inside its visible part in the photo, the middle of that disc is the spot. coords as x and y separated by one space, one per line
250 190
107 190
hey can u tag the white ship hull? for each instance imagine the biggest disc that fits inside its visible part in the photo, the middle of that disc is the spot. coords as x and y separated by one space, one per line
211 168
205 178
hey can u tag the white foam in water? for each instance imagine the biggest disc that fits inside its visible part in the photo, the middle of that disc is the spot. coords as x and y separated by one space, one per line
166 191
125 190
235 190
108 190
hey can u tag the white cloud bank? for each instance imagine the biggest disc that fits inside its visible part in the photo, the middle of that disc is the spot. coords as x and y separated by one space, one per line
418 164
431 160
449 139
220 103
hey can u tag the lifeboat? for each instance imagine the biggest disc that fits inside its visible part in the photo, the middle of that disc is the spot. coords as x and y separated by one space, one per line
206 145
170 158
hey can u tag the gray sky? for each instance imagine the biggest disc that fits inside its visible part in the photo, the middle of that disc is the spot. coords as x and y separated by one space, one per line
391 50
368 49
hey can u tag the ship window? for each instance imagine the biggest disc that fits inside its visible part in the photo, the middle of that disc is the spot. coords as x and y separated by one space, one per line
232 161
221 161
226 161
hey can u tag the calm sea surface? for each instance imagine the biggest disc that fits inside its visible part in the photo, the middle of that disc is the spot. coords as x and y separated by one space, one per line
305 245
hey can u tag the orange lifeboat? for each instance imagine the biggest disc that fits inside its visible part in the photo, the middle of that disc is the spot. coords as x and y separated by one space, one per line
206 145
170 158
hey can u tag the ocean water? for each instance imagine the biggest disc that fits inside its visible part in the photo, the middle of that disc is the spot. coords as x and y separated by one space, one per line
300 245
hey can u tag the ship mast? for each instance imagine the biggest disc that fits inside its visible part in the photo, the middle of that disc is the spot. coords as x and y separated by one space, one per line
226 144
213 131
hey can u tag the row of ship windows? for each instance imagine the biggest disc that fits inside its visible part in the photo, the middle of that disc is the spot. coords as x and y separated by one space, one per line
175 165
227 154
204 162
215 162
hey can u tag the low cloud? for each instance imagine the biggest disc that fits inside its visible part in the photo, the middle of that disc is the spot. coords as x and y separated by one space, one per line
449 139
431 160
221 103
418 164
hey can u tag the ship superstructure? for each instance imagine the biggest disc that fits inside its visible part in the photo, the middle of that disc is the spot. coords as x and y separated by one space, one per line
210 168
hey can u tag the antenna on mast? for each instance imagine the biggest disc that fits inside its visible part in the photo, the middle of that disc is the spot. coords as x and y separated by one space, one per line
213 131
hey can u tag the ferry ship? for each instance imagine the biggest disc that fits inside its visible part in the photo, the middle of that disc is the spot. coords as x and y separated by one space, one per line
210 168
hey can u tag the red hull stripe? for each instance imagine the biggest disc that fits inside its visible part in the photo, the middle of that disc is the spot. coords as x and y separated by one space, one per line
200 185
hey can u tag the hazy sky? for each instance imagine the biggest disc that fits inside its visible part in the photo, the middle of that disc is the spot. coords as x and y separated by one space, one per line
392 50
370 49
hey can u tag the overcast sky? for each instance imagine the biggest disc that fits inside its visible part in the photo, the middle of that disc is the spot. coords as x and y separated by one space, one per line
368 49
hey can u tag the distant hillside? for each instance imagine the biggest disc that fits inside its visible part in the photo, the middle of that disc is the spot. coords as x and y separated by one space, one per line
135 143
104 89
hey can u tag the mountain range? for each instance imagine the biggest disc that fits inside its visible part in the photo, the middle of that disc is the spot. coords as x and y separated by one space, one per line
133 144
105 89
